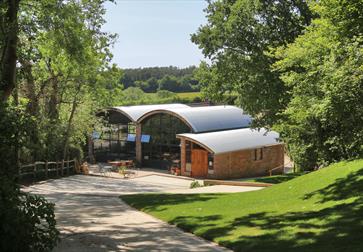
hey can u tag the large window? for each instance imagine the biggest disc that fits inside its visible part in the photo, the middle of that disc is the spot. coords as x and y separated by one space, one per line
163 143
258 154
188 156
210 163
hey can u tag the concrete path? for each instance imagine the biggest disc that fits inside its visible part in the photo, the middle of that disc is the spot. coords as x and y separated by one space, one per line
91 217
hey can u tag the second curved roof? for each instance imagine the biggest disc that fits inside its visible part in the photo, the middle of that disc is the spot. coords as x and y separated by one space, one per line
135 112
234 140
209 118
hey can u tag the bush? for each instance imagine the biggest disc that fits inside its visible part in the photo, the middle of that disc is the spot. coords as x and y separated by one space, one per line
27 221
195 184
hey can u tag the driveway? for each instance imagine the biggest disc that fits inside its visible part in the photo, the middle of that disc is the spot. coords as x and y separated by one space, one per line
91 217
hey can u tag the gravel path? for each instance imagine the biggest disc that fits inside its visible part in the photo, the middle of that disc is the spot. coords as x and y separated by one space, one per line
91 217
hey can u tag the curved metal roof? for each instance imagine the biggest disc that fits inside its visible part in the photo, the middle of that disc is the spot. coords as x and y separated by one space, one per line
209 118
135 112
233 140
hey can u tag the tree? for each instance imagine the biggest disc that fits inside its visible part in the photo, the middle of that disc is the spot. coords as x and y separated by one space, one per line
9 43
147 78
169 83
237 39
54 59
323 70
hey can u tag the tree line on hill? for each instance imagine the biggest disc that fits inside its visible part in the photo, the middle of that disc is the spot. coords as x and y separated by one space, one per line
153 79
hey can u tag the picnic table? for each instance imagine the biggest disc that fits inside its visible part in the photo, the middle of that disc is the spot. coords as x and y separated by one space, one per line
120 163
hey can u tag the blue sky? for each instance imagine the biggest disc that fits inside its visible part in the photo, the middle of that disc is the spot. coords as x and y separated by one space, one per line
155 32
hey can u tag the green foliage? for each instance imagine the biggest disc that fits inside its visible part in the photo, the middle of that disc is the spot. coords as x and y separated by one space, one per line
319 211
300 77
195 184
27 221
65 74
29 225
323 70
236 38
152 79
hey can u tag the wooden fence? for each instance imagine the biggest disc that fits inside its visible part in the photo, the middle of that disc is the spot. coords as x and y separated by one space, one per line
44 170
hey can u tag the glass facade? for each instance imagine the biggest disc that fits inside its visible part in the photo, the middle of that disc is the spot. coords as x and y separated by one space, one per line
163 144
113 140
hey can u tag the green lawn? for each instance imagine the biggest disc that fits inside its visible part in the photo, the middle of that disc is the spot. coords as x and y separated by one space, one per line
189 95
185 95
319 211
275 179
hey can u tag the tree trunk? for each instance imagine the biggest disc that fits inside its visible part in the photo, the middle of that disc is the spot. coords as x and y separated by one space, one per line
53 101
9 57
30 90
70 120
32 106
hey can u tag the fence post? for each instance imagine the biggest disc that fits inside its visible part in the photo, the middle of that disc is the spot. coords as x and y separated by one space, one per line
56 168
46 169
62 167
68 167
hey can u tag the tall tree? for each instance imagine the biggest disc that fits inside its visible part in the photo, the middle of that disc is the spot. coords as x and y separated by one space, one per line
8 44
323 70
237 38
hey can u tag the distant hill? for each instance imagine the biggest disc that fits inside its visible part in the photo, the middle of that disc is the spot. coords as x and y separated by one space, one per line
153 79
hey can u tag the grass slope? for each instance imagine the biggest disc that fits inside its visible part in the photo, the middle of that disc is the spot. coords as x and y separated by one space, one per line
275 179
319 211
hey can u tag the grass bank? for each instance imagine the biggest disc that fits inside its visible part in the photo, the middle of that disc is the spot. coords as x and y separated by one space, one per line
275 179
319 211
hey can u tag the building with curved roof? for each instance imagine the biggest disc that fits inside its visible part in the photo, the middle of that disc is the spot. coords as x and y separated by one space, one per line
134 113
158 135
233 140
208 118
231 153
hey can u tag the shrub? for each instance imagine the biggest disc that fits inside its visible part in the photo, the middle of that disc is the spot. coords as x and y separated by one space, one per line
195 184
27 222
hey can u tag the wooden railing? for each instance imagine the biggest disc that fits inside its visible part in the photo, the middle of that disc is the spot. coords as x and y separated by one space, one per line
276 168
58 168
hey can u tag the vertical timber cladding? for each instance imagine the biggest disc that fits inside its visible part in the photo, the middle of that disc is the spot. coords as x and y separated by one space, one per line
199 163
242 163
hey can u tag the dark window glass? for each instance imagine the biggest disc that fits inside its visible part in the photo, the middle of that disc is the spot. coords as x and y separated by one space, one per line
258 154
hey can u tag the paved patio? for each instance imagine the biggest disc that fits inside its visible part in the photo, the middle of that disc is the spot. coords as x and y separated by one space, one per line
91 217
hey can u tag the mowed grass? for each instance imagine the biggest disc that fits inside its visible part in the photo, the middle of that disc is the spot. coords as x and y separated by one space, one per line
185 95
319 211
188 95
275 179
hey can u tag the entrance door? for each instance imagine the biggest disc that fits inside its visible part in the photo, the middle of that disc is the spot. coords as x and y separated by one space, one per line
199 163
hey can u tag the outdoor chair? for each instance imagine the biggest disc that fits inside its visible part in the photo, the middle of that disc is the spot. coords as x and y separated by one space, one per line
104 169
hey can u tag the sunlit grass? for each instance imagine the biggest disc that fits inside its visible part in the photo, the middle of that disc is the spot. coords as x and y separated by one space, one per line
306 213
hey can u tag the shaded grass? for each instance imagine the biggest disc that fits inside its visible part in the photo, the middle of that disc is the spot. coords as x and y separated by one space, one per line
275 179
319 211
